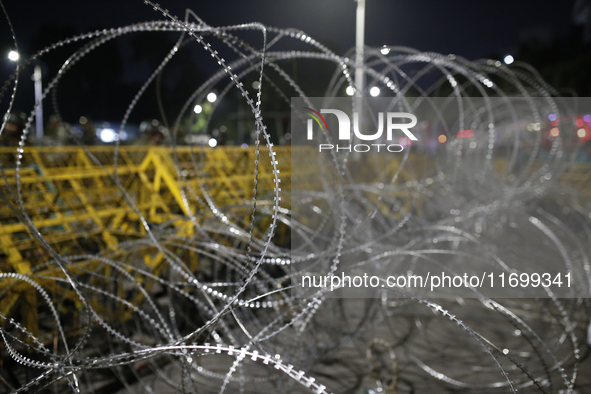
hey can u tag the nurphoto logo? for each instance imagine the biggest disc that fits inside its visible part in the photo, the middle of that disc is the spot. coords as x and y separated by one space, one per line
393 122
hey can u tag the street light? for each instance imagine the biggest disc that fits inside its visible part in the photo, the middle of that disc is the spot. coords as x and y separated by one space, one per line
38 101
359 60
359 44
13 56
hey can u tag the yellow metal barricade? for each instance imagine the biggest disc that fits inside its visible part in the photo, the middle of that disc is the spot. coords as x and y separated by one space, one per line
85 200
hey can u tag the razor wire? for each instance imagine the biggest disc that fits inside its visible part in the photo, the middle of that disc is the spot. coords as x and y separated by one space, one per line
241 329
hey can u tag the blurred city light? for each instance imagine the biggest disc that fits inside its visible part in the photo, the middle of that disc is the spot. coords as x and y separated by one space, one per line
13 55
198 109
375 91
405 141
385 50
350 90
213 142
465 134
508 59
212 97
442 138
107 135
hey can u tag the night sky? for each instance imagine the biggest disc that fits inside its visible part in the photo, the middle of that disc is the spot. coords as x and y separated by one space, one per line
469 28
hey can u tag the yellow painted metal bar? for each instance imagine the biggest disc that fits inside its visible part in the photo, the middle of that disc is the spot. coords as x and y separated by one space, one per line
68 196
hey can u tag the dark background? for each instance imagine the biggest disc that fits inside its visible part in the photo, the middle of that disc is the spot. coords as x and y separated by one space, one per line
554 36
